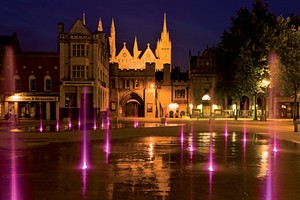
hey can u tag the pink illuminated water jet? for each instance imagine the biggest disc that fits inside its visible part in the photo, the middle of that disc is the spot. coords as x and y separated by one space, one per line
84 140
211 168
95 118
13 189
57 125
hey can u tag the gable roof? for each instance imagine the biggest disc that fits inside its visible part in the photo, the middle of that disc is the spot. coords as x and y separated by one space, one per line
79 28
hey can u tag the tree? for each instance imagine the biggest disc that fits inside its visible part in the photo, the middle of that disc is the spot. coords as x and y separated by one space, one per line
243 50
289 53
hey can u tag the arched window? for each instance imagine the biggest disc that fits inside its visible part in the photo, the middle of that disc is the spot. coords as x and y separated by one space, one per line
32 83
47 83
17 83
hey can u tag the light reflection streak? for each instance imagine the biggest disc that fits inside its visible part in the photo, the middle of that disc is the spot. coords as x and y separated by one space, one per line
84 181
244 139
107 146
13 189
150 149
191 144
210 183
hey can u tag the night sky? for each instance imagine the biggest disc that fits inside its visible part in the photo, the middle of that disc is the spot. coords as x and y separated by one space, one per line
193 24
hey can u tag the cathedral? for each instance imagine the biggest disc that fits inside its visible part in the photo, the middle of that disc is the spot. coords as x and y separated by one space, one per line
141 83
138 59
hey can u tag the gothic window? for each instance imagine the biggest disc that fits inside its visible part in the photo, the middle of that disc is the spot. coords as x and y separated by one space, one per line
32 83
47 83
17 83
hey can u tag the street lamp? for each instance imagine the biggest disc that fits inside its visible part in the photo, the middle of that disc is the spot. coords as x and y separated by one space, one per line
265 84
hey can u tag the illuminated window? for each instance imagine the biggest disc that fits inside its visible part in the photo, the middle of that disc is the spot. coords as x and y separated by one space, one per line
126 83
180 94
32 83
47 83
70 100
136 84
17 83
206 97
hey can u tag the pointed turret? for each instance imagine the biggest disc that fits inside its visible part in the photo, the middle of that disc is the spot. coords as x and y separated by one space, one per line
112 41
165 23
83 18
136 51
100 27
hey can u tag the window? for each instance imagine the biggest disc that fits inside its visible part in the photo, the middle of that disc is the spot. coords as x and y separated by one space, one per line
17 83
78 71
70 100
126 83
87 50
32 83
78 50
180 94
47 83
136 83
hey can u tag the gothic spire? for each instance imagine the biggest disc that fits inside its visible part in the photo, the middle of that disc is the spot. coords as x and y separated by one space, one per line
100 27
165 23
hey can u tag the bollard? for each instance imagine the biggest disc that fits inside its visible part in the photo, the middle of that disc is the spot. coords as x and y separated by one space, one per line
295 126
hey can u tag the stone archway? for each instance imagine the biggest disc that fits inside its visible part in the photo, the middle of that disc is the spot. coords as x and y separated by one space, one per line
133 105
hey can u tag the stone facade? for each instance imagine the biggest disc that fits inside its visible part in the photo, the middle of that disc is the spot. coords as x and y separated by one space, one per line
84 68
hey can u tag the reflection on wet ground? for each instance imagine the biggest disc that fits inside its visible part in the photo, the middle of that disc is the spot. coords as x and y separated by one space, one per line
156 167
89 126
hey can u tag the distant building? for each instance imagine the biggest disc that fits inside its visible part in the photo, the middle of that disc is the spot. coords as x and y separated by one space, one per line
84 70
138 59
141 83
29 81
202 76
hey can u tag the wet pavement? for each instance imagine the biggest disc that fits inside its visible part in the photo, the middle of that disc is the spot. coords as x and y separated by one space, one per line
180 162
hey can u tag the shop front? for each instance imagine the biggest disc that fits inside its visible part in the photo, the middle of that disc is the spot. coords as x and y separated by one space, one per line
33 107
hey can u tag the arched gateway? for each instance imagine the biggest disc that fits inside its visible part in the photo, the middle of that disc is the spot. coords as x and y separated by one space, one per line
132 105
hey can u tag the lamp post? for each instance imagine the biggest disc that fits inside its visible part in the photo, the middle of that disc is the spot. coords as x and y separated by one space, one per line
255 108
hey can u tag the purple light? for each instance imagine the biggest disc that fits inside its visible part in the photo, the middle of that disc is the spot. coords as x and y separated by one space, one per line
13 189
226 129
84 165
57 125
210 168
70 124
95 119
136 124
84 141
107 146
41 128
84 180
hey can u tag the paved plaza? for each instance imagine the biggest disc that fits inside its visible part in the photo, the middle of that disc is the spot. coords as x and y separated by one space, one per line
182 159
